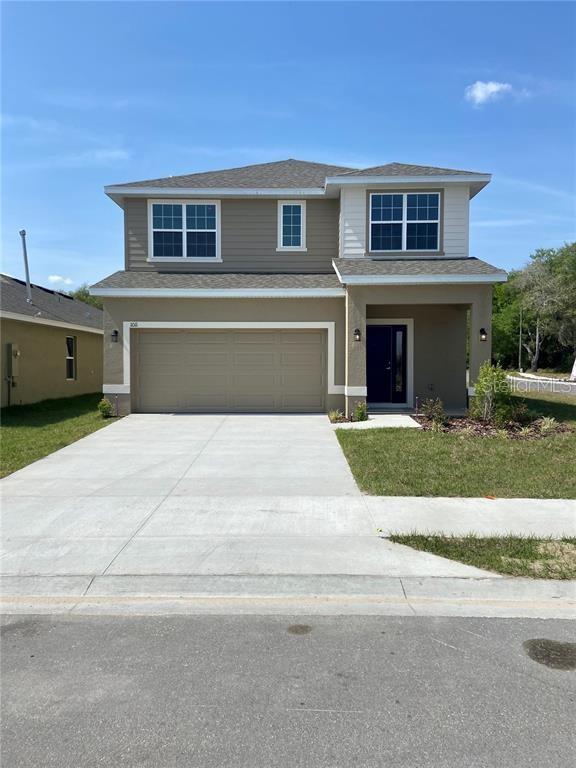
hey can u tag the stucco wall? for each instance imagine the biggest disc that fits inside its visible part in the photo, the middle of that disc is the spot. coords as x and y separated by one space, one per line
118 311
42 362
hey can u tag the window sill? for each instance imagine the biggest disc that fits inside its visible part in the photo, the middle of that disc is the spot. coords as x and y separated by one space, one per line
291 250
395 254
183 260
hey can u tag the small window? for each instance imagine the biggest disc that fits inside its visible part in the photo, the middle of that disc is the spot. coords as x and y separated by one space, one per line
291 226
70 357
404 222
184 230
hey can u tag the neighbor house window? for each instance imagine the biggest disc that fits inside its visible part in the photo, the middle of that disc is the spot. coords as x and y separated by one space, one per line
184 230
70 357
404 221
291 226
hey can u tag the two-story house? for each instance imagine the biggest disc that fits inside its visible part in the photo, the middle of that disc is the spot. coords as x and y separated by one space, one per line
296 286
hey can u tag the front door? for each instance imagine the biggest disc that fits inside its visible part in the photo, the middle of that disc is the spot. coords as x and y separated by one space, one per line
386 364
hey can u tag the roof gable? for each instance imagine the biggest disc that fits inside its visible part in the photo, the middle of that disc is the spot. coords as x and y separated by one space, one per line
283 174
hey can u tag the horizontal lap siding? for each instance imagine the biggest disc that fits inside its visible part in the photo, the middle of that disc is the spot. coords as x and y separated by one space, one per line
456 212
249 239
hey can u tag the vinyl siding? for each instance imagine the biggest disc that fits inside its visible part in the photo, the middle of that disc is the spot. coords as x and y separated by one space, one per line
249 239
355 221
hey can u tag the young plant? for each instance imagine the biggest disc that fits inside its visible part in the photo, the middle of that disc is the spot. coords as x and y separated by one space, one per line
360 412
106 408
493 398
335 416
433 409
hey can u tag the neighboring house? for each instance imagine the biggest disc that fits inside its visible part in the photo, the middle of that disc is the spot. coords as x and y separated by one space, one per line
51 346
296 286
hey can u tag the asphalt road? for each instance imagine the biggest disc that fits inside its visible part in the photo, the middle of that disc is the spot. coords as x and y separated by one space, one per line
261 692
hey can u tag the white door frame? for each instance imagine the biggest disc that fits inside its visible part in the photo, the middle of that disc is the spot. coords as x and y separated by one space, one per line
409 323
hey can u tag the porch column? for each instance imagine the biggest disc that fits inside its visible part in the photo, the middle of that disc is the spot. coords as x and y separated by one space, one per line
480 319
355 379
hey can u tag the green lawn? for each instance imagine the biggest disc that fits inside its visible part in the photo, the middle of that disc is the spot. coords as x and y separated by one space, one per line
511 555
30 432
409 462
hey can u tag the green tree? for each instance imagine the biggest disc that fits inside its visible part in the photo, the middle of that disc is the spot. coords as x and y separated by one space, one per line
82 294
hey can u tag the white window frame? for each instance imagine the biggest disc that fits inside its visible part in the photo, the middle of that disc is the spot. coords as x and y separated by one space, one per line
180 259
302 246
72 357
405 221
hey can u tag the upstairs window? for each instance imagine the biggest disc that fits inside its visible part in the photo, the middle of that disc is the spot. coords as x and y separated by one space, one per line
404 222
291 226
184 230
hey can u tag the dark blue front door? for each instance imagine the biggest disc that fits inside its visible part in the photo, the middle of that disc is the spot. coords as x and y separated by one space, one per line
386 363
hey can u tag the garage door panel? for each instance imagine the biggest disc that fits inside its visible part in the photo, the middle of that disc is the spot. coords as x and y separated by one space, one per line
231 371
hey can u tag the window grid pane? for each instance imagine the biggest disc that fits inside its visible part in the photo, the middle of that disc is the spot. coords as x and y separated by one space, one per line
386 207
167 244
201 245
291 226
422 237
201 217
386 237
422 207
166 216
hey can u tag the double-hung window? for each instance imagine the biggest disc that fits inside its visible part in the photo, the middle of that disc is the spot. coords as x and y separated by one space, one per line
291 225
404 221
185 230
70 358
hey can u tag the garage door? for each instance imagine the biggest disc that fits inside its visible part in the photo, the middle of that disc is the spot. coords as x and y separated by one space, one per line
234 371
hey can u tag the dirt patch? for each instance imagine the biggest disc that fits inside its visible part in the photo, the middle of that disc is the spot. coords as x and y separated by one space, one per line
558 561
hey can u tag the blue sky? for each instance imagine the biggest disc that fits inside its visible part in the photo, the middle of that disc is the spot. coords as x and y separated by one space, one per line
100 93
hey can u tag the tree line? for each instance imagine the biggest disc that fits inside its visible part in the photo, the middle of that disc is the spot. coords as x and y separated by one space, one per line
534 313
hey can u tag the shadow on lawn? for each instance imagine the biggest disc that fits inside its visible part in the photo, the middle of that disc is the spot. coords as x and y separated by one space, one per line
49 411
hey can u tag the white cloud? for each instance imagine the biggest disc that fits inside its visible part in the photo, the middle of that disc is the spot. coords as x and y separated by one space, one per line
482 92
59 280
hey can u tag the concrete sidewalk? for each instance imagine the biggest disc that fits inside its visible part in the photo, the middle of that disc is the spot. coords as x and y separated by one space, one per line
484 517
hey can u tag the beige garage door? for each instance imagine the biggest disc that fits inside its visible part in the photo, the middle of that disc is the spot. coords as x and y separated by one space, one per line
233 371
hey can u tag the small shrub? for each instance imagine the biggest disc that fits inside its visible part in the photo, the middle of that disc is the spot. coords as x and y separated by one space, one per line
493 397
336 416
502 434
433 409
468 431
360 412
547 425
436 426
525 432
106 408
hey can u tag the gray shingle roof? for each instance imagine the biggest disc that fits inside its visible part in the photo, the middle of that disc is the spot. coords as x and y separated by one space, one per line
415 267
404 169
285 174
46 304
216 281
279 175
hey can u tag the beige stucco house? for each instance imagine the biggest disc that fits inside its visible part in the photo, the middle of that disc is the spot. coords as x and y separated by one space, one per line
51 345
297 286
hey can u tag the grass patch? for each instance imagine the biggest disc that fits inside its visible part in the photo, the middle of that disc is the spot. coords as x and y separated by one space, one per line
30 432
528 556
410 462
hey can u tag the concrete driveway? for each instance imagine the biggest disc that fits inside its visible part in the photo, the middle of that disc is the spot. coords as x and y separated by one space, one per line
176 495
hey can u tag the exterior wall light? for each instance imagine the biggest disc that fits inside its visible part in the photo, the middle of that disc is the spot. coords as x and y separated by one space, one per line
483 334
114 336
357 335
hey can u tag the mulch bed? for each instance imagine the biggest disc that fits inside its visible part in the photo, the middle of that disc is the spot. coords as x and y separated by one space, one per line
470 427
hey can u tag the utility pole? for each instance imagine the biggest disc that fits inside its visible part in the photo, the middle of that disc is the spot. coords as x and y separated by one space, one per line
520 342
25 254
